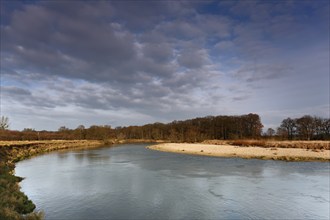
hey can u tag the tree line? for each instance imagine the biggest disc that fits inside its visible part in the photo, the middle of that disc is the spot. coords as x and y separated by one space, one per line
198 129
221 127
192 130
305 128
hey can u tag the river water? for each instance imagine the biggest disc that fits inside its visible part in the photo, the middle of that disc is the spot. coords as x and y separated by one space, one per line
131 182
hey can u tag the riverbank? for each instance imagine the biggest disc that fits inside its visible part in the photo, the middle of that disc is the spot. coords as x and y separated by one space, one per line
14 204
226 150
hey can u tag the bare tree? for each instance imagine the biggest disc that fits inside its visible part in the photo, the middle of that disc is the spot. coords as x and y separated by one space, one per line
4 123
289 125
63 129
281 132
306 127
80 132
270 132
326 126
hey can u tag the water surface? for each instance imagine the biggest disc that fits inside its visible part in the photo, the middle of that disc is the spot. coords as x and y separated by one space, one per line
131 182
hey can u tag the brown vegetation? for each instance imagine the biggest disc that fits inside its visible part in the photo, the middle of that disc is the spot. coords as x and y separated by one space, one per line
305 128
193 130
320 145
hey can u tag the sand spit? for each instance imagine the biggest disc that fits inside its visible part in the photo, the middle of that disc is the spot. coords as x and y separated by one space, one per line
288 154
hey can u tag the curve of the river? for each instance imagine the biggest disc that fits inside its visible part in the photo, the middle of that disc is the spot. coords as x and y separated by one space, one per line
132 182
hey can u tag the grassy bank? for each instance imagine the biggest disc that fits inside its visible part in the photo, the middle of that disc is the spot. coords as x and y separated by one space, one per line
14 204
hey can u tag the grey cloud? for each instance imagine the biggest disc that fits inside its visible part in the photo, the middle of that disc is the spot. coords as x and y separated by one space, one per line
240 98
197 26
61 92
181 30
95 43
137 15
14 91
155 37
58 44
96 10
257 72
141 14
153 69
214 26
26 97
97 47
251 42
55 44
29 26
159 52
224 45
259 11
148 99
255 10
265 33
193 58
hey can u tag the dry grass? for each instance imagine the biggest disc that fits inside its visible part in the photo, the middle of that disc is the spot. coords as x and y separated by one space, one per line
48 143
312 145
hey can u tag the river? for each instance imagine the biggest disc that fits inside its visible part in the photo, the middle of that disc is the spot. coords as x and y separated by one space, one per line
129 181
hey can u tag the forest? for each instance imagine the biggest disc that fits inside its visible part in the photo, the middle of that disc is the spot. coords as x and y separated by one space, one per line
220 127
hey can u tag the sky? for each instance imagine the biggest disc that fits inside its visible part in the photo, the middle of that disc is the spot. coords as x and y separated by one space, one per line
119 63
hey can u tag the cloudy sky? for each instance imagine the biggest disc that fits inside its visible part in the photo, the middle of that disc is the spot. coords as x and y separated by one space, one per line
135 62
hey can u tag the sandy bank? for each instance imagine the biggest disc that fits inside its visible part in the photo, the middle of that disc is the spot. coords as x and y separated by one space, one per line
289 154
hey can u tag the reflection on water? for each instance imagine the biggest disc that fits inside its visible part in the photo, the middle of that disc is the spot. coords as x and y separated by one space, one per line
131 182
